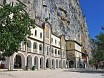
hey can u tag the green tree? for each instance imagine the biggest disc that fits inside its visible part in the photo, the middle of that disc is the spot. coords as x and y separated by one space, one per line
15 26
98 50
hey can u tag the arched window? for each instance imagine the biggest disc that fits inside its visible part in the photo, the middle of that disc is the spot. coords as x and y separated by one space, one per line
29 44
40 47
58 52
35 45
40 35
55 51
35 32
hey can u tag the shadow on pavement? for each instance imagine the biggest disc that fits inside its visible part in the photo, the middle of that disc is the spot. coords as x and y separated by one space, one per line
85 71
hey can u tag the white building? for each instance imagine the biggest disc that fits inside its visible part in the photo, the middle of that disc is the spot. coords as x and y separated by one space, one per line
43 50
74 54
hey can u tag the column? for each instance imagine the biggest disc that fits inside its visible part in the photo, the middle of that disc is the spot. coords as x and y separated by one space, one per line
38 63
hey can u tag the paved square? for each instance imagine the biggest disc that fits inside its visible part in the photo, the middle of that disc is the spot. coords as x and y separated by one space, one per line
58 73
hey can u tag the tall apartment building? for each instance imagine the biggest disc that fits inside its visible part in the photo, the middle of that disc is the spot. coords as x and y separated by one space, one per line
60 42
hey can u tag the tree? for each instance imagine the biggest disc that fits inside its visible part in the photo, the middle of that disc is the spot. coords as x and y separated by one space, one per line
98 51
15 25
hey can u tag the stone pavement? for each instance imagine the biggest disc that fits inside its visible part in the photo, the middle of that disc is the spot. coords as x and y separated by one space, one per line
58 73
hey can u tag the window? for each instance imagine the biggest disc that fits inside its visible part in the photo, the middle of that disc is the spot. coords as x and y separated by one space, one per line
40 35
55 51
35 32
55 41
29 44
47 49
35 45
40 47
58 52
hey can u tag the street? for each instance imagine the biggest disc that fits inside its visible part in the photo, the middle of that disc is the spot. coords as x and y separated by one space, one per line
58 73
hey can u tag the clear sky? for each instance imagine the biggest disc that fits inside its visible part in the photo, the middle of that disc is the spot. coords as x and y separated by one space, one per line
94 13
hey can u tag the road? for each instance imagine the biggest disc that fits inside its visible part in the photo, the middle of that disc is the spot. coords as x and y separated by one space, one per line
58 73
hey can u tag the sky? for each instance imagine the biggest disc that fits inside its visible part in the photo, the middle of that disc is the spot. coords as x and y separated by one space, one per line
94 13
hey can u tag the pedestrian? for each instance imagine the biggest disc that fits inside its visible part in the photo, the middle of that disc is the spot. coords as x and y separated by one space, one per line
96 66
80 65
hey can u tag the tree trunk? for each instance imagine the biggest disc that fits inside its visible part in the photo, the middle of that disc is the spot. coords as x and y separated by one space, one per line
9 63
0 64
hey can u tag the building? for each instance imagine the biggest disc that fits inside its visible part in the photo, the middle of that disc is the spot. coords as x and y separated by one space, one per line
74 54
60 38
43 50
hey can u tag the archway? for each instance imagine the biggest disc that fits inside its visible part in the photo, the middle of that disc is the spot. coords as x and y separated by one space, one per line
36 62
19 61
41 63
48 63
71 64
56 63
29 61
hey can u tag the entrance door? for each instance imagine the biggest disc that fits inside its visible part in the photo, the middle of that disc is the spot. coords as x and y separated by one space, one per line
47 63
71 64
